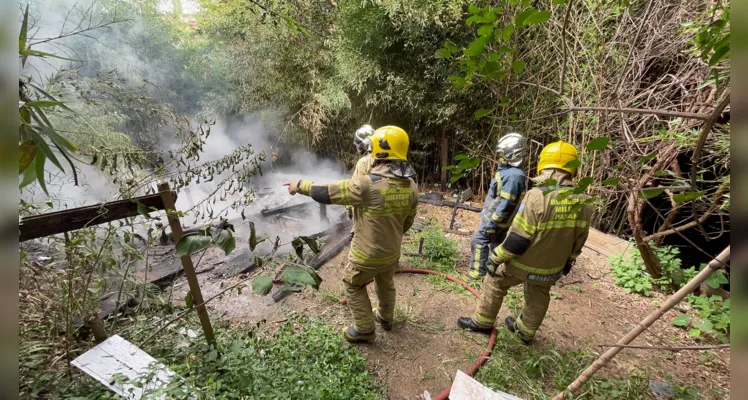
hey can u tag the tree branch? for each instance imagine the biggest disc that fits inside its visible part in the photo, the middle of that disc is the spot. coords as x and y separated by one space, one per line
697 155
626 346
563 45
664 113
715 205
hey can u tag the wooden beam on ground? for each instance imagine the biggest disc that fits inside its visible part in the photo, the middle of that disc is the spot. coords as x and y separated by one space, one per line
717 263
284 209
53 223
189 268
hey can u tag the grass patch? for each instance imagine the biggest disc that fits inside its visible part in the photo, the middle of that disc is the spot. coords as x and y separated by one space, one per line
534 372
442 254
304 359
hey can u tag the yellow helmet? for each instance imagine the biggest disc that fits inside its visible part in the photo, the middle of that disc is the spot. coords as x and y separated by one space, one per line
557 155
390 143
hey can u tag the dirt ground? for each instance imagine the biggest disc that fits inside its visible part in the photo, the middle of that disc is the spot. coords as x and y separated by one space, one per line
425 348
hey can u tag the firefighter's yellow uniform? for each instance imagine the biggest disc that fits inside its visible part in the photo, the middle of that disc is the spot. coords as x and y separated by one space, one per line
546 236
363 168
384 204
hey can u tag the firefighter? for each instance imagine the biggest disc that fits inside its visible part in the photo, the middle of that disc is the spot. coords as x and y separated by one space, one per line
384 206
504 193
544 240
363 145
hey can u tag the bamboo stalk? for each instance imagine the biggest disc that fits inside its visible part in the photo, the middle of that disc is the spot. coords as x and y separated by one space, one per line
676 298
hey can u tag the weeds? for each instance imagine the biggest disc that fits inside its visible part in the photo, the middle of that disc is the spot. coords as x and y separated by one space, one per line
442 253
303 360
540 372
630 272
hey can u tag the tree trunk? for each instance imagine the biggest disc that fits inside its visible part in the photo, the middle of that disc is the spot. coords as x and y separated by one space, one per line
650 260
444 150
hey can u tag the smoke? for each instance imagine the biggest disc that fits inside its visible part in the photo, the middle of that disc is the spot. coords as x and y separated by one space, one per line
115 47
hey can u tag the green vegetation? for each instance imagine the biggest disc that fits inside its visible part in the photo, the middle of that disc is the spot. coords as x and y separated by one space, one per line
534 372
304 359
631 273
441 255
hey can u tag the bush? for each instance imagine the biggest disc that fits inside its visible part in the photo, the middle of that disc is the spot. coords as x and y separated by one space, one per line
714 317
631 274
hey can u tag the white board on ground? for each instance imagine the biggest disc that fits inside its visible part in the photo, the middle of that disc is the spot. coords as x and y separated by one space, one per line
117 364
467 388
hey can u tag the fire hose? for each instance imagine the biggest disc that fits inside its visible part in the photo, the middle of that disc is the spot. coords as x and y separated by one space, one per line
491 341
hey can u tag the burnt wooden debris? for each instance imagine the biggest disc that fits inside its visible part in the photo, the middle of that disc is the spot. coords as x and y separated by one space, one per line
444 203
53 223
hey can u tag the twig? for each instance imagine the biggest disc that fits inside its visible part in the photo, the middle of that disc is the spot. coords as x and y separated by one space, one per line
668 348
664 113
562 284
697 153
194 306
563 45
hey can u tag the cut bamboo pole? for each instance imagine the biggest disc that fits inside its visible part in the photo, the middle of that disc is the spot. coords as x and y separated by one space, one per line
676 298
189 268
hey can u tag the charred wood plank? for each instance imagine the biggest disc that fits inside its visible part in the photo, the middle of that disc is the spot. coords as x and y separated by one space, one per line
448 204
284 209
53 223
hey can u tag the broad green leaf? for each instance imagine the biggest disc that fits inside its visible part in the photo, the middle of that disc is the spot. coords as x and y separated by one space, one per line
694 332
506 33
519 20
611 181
598 143
482 113
680 198
537 18
301 276
226 241
460 157
476 48
41 159
681 320
469 163
26 154
573 164
458 81
705 325
721 51
455 177
490 67
311 243
518 66
192 243
717 279
450 46
473 9
262 285
443 53
143 210
649 193
485 30
188 300
298 247
44 103
584 183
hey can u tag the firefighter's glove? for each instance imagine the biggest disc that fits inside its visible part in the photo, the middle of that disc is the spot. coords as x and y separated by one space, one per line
294 187
567 267
492 267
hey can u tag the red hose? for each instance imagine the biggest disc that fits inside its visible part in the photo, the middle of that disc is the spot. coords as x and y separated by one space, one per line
444 395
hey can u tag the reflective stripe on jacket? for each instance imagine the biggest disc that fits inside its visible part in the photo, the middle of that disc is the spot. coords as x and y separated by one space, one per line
557 224
504 193
384 208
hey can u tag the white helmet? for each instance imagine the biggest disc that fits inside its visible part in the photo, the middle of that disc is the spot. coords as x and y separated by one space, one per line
361 139
513 147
